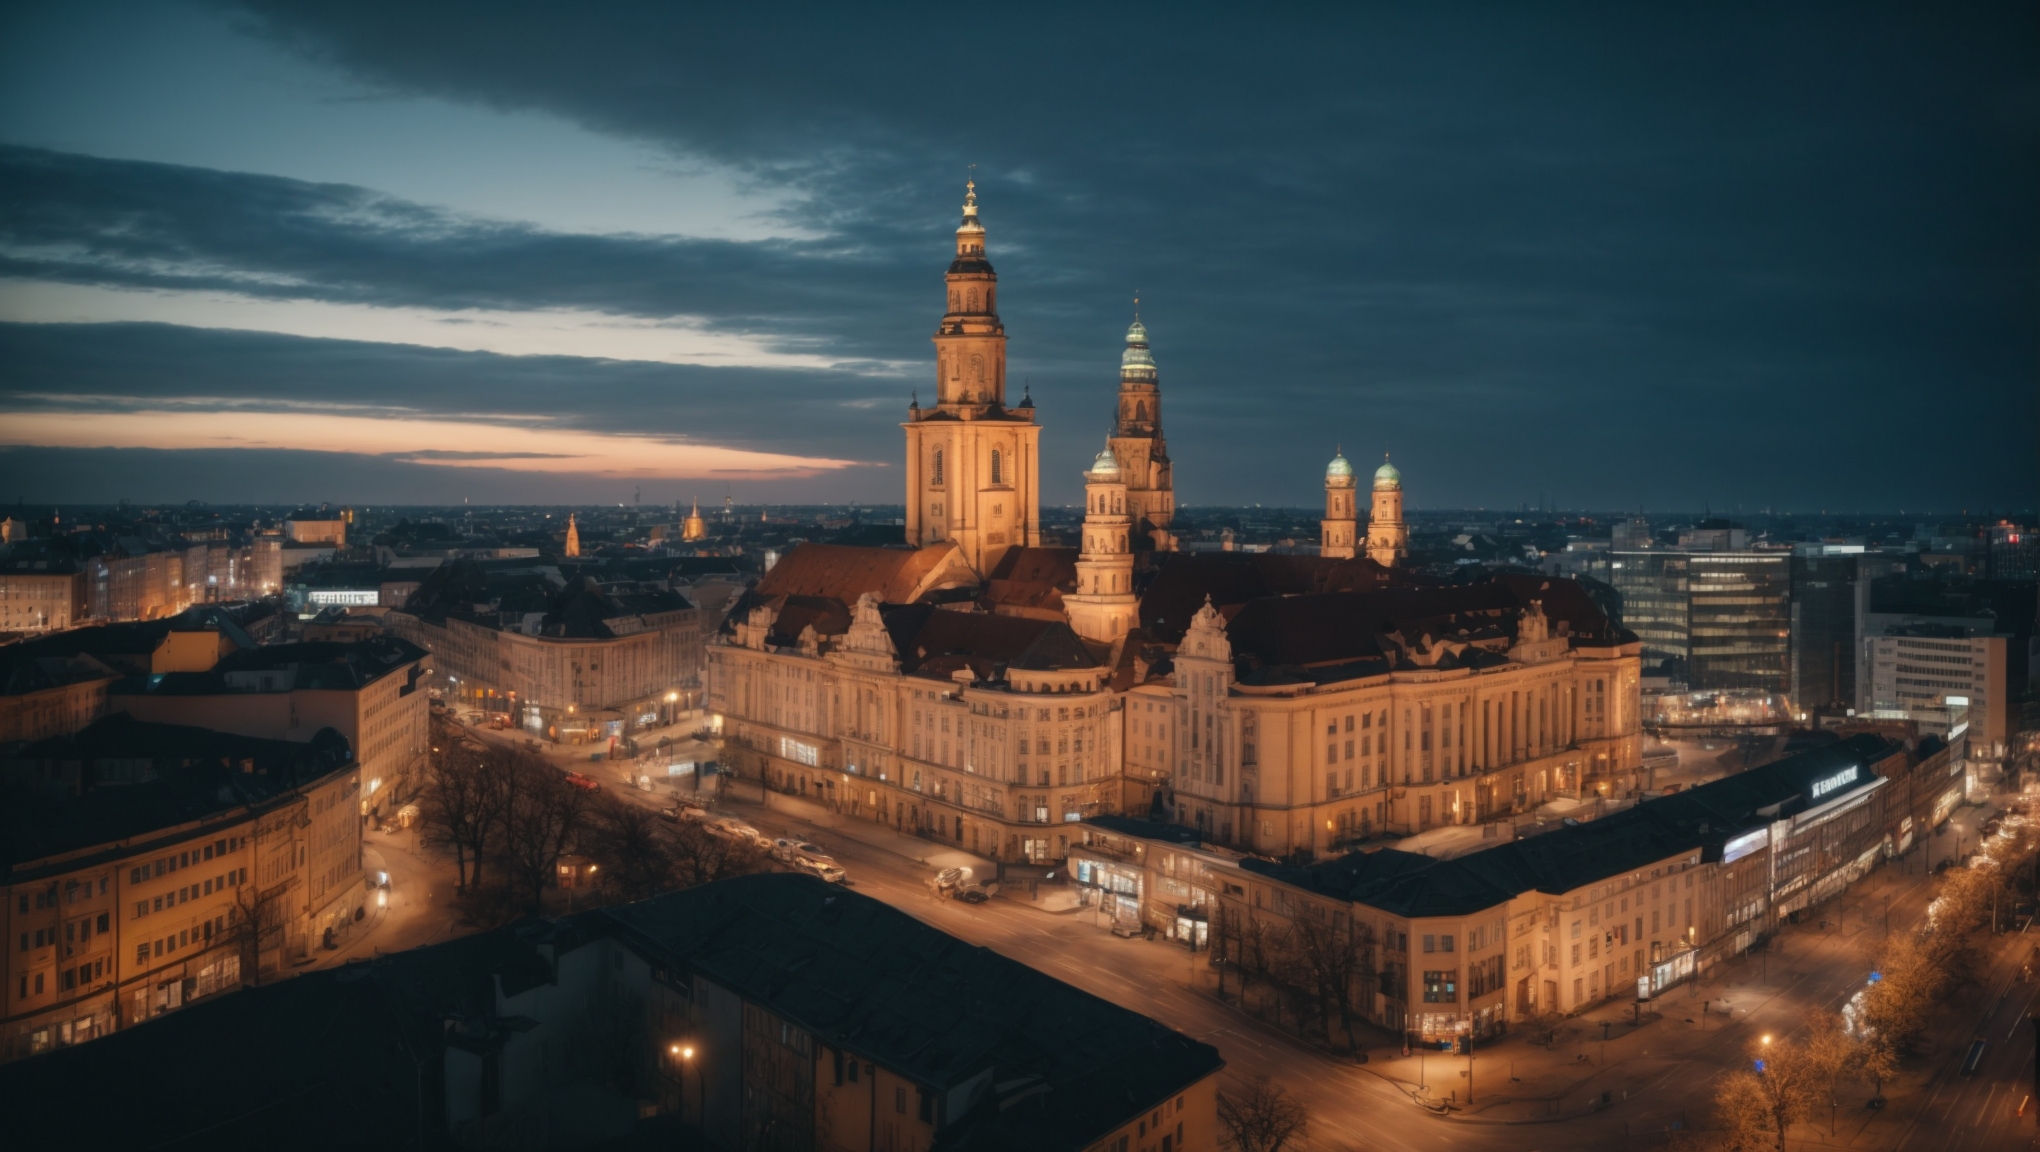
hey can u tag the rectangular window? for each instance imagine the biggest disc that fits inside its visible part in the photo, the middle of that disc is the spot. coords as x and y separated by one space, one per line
1441 987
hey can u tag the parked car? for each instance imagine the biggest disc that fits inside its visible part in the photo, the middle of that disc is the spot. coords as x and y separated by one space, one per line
782 849
828 870
973 895
731 826
584 783
680 812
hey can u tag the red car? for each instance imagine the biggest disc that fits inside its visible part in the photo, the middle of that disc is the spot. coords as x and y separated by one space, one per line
587 783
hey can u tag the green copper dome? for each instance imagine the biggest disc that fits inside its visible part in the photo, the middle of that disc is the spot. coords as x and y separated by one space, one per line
1386 476
1106 465
1137 363
1339 469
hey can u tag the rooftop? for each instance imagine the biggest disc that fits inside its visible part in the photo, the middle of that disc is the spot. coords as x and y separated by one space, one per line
1703 819
868 978
121 779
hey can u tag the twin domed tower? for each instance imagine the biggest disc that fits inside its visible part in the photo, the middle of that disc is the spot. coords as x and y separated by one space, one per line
973 463
1388 538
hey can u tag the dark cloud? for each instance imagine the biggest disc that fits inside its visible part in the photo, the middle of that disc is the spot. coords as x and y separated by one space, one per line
125 367
1729 254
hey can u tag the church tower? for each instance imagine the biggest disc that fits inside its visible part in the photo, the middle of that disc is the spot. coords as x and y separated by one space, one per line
1103 606
972 463
694 527
1388 538
1138 445
1340 527
573 536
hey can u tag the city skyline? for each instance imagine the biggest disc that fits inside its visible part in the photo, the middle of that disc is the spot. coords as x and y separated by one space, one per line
1682 261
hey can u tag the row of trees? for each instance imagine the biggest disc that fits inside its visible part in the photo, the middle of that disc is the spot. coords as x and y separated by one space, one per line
508 817
1788 1079
1916 973
1316 964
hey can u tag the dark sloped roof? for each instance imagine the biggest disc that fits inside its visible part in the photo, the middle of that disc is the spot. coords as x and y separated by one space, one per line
1702 819
870 979
1183 580
936 641
841 572
328 663
197 775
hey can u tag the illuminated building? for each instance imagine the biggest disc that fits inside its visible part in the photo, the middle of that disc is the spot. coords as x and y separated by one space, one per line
973 464
987 691
150 865
367 691
694 527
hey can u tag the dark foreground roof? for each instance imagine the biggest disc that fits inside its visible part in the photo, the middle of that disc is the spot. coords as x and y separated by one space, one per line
352 1057
865 977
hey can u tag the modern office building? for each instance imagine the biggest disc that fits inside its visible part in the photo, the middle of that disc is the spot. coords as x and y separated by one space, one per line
1927 671
1829 595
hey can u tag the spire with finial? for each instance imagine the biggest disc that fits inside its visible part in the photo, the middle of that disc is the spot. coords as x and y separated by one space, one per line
970 235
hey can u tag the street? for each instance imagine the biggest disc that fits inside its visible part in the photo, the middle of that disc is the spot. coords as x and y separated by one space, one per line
1651 1079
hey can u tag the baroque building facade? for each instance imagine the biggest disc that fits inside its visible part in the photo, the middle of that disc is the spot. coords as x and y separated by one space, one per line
984 690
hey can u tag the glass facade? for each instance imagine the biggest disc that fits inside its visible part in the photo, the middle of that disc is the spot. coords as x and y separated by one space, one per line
1739 621
1826 612
1653 590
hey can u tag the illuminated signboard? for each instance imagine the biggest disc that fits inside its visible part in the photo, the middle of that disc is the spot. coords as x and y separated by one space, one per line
1825 786
348 597
1745 844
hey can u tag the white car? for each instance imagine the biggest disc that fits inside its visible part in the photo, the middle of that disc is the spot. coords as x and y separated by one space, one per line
731 826
828 870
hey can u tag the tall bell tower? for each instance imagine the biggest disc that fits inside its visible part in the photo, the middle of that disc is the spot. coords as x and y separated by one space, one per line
1138 444
1388 538
1341 523
972 472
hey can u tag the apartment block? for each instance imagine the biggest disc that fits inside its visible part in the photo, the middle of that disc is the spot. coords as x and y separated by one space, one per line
150 865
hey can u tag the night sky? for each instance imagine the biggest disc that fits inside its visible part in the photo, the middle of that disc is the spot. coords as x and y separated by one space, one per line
1610 256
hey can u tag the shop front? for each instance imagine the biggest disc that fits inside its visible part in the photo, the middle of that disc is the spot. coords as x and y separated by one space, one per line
1666 973
1111 886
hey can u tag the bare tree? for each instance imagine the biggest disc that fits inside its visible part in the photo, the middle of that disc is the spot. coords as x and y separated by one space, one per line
1878 1061
1330 953
1742 1112
1261 1118
627 841
1830 1057
1781 1093
463 799
541 812
701 856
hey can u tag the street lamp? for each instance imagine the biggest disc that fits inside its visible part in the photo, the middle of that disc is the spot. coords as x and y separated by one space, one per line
683 1054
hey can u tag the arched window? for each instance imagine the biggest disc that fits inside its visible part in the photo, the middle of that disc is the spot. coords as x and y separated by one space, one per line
1140 412
953 295
973 300
935 473
998 467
